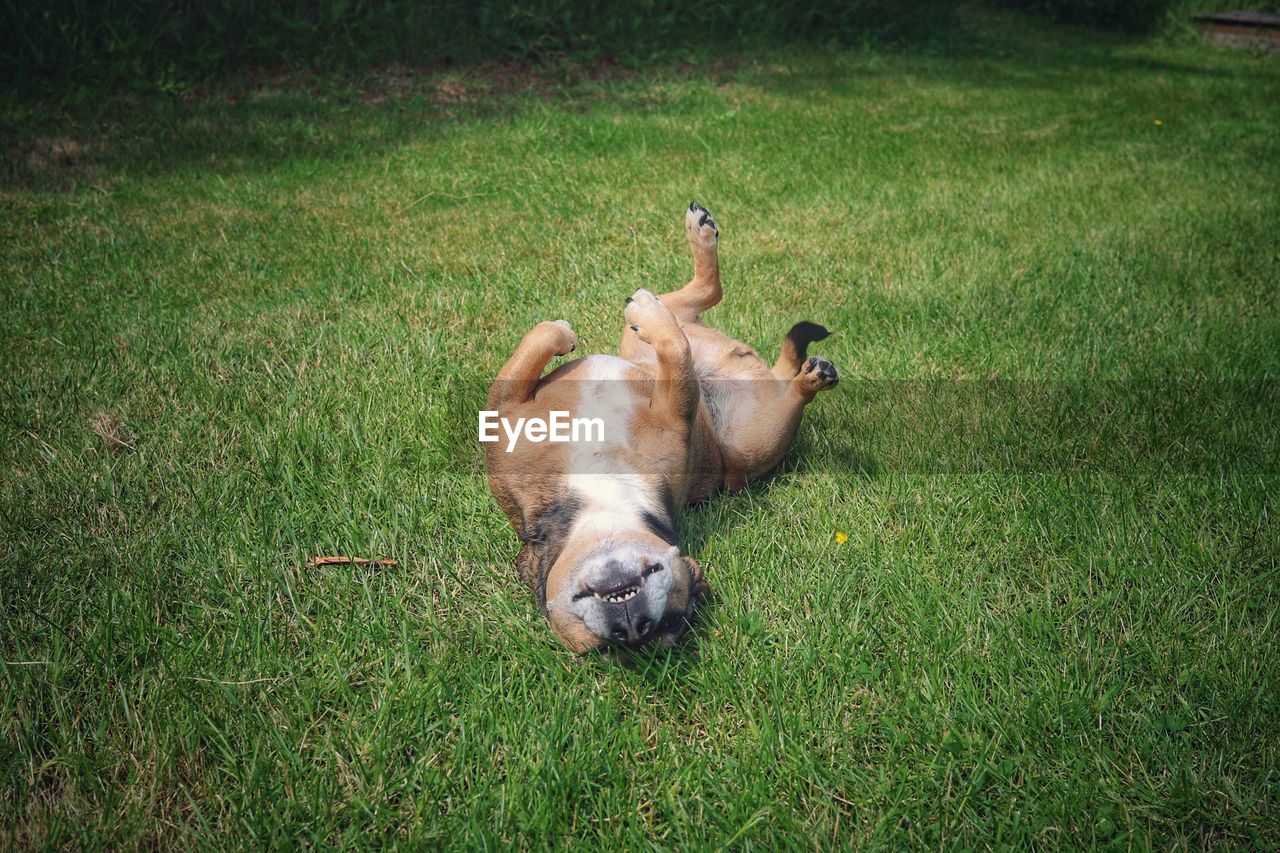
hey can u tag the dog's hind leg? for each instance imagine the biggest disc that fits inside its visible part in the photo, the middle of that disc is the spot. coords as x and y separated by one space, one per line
703 290
756 444
522 371
795 348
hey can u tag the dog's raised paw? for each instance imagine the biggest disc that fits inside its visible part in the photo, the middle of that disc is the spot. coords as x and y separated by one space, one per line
647 316
818 374
700 226
566 339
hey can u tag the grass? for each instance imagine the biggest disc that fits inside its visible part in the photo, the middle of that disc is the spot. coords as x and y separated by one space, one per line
246 328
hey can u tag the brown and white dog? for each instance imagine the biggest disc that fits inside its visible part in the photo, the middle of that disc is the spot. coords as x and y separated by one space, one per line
686 411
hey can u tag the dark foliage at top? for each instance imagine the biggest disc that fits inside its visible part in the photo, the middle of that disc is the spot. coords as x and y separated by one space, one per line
152 43
1126 15
158 44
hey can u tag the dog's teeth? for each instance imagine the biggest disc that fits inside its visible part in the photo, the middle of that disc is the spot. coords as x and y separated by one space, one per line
618 597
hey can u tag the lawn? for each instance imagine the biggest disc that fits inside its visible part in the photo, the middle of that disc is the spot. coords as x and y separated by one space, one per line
251 326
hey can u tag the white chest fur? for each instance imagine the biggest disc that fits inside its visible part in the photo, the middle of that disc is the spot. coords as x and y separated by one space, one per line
614 496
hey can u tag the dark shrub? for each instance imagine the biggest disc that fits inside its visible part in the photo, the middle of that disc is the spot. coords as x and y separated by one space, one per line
1124 15
150 42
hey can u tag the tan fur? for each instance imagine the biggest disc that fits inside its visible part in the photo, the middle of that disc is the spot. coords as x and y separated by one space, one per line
677 452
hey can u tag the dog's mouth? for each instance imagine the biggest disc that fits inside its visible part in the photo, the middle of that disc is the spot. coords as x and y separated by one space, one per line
622 592
614 594
618 596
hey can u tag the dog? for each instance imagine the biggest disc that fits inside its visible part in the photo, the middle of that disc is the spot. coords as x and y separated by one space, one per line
687 411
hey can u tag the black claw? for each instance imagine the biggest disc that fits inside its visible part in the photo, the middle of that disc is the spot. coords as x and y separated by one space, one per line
693 205
702 220
635 328
630 300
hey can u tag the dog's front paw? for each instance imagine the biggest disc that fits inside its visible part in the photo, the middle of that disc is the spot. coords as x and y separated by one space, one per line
648 317
818 374
699 225
563 339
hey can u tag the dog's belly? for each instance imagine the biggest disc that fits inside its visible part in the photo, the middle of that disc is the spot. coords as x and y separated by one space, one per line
608 390
605 368
613 493
603 472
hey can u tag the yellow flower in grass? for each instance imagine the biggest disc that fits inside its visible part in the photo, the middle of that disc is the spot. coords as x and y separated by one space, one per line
841 538
1159 122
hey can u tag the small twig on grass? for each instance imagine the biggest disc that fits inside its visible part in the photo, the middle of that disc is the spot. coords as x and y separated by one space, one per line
109 427
349 561
234 683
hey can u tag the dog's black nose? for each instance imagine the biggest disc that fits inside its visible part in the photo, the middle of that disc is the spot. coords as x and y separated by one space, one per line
628 627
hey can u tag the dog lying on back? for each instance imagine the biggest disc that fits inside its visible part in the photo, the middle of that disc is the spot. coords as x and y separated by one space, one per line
686 411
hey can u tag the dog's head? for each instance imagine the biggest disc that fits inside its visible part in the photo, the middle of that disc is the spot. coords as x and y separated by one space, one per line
627 590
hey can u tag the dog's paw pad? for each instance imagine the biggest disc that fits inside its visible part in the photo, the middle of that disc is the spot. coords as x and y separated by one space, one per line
701 227
818 374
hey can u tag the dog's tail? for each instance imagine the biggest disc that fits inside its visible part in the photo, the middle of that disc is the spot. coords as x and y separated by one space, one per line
795 348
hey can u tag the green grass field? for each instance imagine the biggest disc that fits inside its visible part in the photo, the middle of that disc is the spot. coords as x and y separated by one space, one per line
243 329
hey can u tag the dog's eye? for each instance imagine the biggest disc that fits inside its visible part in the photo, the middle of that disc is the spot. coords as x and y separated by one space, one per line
653 569
676 622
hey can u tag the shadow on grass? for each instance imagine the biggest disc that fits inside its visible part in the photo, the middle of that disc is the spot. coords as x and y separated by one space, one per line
1133 430
261 122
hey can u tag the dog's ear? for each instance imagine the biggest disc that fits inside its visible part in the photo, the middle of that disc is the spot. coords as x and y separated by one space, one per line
542 536
699 589
676 624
